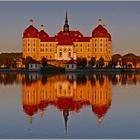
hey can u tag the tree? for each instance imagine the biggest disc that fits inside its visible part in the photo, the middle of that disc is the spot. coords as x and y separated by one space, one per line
124 62
84 62
116 58
28 60
79 62
92 61
44 62
101 61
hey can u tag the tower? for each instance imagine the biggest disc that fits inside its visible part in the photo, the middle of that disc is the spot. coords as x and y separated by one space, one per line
66 25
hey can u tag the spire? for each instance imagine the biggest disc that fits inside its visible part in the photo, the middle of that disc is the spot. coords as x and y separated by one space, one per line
66 19
66 25
65 115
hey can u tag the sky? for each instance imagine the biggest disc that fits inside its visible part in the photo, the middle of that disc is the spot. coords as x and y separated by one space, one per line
122 20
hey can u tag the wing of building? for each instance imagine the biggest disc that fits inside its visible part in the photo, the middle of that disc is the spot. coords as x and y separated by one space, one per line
67 44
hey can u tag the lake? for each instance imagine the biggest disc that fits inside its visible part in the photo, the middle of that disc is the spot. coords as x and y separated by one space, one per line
69 105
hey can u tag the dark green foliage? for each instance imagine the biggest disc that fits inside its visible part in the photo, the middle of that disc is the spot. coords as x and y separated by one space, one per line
92 61
101 61
84 62
44 62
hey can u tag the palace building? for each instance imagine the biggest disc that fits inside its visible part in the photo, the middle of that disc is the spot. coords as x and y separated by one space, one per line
67 44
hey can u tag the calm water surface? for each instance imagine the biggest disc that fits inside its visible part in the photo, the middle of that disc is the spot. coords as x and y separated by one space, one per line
69 106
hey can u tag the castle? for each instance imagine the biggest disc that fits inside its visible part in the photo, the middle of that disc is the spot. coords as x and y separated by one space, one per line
67 44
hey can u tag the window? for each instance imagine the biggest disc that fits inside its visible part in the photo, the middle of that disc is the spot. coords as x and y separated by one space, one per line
60 54
95 45
72 65
95 49
46 49
36 65
101 49
28 49
88 50
34 49
31 65
81 45
68 66
101 40
50 44
69 54
100 44
50 50
28 44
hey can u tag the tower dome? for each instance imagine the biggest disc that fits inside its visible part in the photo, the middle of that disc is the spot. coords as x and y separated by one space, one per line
100 31
42 34
31 31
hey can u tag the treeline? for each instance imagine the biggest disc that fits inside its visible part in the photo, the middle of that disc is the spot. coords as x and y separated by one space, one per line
9 58
130 57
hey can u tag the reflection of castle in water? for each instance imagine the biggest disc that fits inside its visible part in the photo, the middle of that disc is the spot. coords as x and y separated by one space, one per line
68 93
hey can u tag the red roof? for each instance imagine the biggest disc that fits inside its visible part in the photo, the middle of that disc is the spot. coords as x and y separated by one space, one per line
43 36
68 38
42 105
71 62
100 31
31 32
30 109
100 110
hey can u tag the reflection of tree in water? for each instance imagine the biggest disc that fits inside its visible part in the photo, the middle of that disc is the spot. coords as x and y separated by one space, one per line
81 79
100 78
135 80
92 79
8 78
124 79
44 79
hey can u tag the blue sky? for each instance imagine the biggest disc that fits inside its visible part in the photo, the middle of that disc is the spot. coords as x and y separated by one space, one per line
122 19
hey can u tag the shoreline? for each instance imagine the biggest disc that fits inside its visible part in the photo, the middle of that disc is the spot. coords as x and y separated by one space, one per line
61 70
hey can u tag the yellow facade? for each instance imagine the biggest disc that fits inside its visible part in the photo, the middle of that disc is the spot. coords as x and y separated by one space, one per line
93 47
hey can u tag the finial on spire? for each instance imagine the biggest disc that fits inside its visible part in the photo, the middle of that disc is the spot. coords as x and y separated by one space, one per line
42 27
31 22
30 119
99 119
100 21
